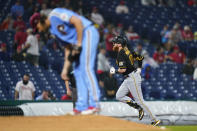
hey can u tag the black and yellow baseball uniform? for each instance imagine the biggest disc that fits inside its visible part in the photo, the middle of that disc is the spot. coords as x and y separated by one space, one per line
132 83
126 59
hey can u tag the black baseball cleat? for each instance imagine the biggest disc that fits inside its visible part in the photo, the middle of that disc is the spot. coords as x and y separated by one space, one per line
139 108
141 114
156 123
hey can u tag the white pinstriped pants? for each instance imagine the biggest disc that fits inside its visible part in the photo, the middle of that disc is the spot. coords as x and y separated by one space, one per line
133 84
88 92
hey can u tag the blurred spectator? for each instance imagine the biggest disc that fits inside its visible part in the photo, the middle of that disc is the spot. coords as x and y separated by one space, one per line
19 23
32 48
147 59
139 49
162 3
159 55
177 56
174 37
148 2
45 10
40 2
74 5
46 95
19 39
164 34
96 17
146 72
19 55
41 43
7 24
17 9
192 2
118 30
4 55
29 7
188 67
36 9
195 36
34 20
66 97
122 8
195 70
178 26
187 34
25 89
79 8
108 42
171 2
52 43
68 4
110 86
43 96
103 65
71 90
52 4
131 35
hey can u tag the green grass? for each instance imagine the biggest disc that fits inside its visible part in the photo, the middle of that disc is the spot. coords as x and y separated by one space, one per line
182 128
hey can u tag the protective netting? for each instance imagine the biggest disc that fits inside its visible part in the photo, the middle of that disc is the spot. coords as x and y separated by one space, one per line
11 111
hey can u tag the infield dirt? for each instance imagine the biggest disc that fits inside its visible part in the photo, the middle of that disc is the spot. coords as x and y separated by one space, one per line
71 123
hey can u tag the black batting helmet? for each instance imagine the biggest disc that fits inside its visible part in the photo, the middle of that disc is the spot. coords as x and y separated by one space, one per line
120 39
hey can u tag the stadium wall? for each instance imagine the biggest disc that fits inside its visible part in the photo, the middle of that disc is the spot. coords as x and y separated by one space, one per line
170 112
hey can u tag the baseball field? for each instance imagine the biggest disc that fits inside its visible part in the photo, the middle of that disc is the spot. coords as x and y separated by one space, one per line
71 123
79 123
182 128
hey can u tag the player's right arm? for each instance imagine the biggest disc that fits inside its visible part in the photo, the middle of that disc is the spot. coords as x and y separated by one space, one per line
121 64
70 17
79 28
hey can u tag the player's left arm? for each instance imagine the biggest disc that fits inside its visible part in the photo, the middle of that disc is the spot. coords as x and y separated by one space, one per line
138 58
67 64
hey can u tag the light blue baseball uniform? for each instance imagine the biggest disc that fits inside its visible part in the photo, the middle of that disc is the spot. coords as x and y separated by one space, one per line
87 85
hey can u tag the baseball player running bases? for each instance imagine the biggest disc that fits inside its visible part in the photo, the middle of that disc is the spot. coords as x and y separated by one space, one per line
132 82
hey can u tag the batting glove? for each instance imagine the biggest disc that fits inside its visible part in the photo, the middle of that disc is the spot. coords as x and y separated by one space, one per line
112 70
138 70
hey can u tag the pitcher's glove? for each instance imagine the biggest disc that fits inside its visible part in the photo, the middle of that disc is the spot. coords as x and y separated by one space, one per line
75 53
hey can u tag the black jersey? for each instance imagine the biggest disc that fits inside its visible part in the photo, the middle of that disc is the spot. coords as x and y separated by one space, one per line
126 59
